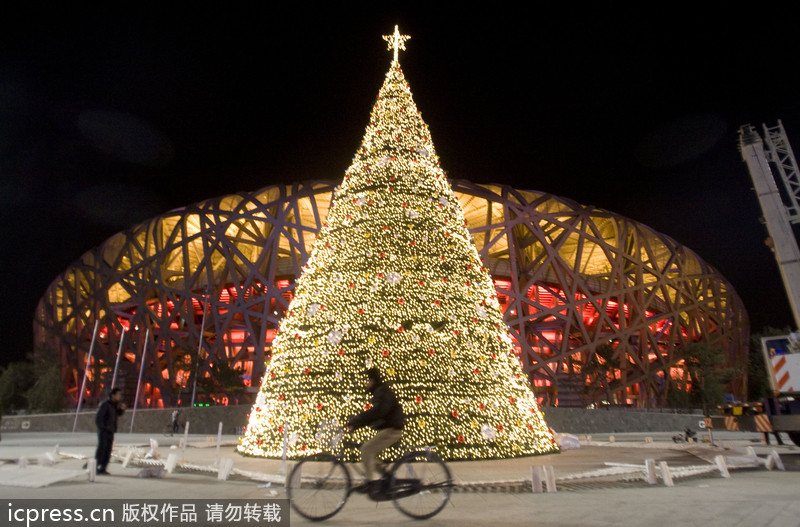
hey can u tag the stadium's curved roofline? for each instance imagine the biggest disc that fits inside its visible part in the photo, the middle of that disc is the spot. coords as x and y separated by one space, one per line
571 279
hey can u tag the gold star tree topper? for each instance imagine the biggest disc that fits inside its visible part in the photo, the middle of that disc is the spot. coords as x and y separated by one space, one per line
396 41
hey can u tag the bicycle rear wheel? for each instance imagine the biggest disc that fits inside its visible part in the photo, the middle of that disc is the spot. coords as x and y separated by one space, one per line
318 487
421 485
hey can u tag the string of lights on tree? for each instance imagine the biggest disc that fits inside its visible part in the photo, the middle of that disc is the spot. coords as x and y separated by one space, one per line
394 280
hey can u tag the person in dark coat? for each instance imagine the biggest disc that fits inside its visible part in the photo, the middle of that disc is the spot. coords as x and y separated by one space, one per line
106 421
175 426
386 416
771 408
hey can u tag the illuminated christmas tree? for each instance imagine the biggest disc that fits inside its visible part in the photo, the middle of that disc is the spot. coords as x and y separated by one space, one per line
394 280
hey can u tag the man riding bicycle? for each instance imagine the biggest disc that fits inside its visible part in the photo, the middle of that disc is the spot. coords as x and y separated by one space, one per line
386 416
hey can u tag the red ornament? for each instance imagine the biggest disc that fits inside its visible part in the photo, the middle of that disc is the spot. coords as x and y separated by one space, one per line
500 427
385 353
476 371
367 406
421 283
306 371
481 407
320 406
401 301
512 400
460 439
418 399
341 352
454 413
431 352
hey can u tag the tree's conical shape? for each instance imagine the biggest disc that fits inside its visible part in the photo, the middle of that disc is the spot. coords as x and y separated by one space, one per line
394 280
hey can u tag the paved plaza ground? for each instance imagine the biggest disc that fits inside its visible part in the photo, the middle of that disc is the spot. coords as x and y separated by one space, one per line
489 492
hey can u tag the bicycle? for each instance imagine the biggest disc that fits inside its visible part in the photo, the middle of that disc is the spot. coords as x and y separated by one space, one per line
418 484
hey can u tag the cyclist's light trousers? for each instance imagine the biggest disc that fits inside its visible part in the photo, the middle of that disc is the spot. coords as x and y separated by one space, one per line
371 449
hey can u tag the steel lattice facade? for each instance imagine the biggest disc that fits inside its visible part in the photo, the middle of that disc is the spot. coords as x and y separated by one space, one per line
207 284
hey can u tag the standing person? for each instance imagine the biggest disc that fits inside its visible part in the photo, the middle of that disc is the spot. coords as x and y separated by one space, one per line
175 414
771 408
106 421
386 417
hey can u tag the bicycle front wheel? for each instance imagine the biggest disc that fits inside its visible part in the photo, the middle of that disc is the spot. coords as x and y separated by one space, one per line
421 485
318 487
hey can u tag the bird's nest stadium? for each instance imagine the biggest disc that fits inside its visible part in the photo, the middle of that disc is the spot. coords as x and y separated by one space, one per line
200 291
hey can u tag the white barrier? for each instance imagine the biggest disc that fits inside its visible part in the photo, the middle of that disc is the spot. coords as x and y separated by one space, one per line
665 474
650 470
537 476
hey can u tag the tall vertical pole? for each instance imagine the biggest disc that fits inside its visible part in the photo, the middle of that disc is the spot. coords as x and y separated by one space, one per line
139 382
119 354
85 372
199 348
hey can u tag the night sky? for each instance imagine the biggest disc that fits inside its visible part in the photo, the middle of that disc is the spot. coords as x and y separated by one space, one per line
108 118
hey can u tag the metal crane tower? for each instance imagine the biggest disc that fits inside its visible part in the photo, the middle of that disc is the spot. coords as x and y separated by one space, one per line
780 211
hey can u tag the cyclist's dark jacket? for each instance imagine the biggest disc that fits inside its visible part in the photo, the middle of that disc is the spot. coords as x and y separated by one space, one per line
385 412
